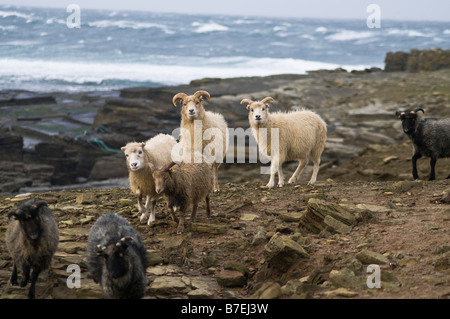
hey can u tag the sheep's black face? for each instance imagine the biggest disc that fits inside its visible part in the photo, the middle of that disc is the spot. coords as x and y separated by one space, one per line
116 260
408 119
28 216
31 224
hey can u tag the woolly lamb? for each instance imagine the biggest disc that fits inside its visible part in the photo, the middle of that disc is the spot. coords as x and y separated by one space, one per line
302 136
184 184
31 238
156 150
116 258
430 137
214 123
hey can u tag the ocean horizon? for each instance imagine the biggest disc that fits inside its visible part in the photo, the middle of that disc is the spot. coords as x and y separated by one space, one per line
118 49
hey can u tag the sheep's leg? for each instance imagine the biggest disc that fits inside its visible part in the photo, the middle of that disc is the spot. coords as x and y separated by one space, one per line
415 157
315 172
274 167
194 211
180 228
142 210
172 214
216 177
13 279
34 276
280 176
152 211
208 209
432 166
25 275
301 166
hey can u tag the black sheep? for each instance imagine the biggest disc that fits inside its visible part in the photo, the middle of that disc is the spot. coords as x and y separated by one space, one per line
430 137
32 238
116 258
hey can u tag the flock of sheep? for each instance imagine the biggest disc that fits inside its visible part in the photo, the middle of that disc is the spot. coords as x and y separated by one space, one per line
116 256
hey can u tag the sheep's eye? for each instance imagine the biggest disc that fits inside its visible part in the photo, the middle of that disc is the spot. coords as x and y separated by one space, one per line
252 110
263 109
140 152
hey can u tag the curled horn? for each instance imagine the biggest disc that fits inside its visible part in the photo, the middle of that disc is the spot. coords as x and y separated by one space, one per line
202 94
14 213
267 99
248 101
419 110
177 97
124 242
38 204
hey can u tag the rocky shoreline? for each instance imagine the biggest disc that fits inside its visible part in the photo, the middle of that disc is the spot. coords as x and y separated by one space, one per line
293 242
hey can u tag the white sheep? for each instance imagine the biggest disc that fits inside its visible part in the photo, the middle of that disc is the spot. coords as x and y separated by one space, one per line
213 134
301 136
157 151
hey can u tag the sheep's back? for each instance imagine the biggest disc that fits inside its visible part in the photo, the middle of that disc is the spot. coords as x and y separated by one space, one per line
433 137
160 148
299 132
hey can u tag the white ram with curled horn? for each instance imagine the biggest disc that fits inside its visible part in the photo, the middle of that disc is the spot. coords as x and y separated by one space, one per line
301 136
202 132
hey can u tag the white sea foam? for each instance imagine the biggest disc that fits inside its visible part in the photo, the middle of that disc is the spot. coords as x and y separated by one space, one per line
210 26
409 33
5 14
174 70
447 31
349 35
126 24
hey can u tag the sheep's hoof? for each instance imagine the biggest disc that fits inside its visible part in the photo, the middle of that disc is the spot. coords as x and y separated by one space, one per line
270 185
280 185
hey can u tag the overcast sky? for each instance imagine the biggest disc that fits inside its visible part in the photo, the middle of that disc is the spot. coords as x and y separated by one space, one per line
434 10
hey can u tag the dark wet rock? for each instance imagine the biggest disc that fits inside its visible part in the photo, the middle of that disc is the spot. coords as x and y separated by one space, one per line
282 252
18 97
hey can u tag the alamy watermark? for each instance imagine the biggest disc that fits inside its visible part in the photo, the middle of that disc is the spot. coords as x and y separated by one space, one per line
374 19
74 19
374 279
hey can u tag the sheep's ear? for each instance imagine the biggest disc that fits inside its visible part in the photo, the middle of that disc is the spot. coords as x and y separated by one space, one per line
123 148
152 167
100 249
177 97
143 144
168 167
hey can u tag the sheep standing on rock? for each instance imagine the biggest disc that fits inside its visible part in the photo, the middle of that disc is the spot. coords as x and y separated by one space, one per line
184 184
430 137
156 150
301 136
214 147
116 258
31 238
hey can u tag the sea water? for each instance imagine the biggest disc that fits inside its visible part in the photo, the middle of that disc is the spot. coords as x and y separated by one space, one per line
117 49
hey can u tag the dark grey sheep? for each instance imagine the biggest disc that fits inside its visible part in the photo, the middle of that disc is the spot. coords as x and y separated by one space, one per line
31 238
430 137
116 258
